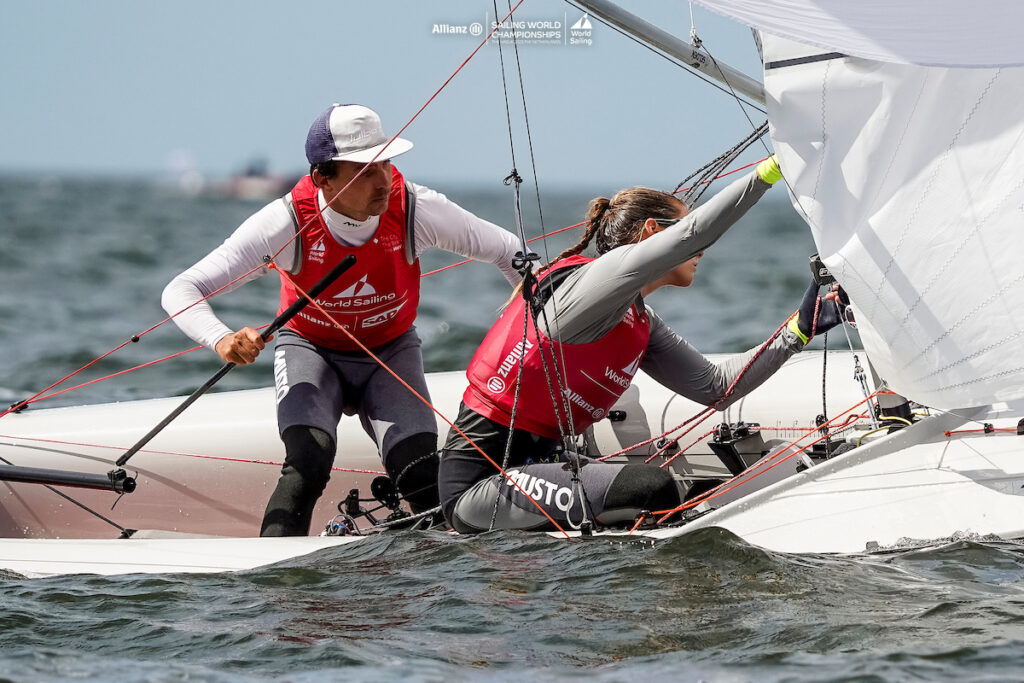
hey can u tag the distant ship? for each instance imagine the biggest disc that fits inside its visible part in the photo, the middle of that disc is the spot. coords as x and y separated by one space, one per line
255 182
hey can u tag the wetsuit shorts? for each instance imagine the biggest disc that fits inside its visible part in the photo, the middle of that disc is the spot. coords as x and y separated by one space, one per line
316 386
475 498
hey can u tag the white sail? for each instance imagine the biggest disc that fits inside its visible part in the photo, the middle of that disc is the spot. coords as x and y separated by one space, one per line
925 32
912 180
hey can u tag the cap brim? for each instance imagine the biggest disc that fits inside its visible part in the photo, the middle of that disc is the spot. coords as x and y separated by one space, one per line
397 146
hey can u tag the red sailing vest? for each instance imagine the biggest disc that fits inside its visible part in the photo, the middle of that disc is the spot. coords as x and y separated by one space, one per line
594 375
375 299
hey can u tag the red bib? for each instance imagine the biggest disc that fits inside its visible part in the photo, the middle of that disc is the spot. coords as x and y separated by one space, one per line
376 299
594 375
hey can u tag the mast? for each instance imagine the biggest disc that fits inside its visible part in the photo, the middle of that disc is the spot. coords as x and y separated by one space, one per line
694 57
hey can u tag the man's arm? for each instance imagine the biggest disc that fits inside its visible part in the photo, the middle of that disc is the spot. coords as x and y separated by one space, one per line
443 224
237 261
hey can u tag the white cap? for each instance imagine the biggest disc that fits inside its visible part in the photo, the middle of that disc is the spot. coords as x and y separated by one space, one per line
350 132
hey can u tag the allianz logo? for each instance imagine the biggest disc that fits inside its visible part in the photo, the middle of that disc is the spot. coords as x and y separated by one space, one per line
579 400
512 359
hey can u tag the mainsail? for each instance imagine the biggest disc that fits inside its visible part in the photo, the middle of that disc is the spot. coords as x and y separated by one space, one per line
924 32
912 181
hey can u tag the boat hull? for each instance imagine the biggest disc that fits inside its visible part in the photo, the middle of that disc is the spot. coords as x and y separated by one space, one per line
213 469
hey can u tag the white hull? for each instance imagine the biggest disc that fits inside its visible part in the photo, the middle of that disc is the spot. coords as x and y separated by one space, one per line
198 477
915 485
41 557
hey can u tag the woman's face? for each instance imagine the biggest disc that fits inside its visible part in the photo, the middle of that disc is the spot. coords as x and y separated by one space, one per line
683 274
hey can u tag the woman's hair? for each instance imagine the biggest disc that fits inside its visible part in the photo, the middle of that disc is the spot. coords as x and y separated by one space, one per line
611 223
617 221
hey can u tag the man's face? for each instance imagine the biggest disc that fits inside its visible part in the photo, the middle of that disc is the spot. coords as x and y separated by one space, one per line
367 196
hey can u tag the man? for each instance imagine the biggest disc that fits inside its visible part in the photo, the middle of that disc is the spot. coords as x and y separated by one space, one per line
319 372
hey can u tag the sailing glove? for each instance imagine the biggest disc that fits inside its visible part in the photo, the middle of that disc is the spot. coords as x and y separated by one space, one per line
829 314
769 171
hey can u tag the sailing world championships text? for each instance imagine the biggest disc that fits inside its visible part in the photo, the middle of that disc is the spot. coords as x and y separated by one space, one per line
535 31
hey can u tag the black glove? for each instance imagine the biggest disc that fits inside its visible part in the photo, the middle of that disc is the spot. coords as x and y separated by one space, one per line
829 314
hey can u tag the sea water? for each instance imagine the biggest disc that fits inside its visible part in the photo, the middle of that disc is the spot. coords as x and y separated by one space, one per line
83 263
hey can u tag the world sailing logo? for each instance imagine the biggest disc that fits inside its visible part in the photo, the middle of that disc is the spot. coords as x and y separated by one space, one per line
316 252
360 288
583 24
360 294
634 366
582 32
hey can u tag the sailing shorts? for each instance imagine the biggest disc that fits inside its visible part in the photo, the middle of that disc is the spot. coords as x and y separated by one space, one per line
475 498
317 385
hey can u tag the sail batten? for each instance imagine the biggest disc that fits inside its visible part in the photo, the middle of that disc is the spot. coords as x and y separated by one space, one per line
912 181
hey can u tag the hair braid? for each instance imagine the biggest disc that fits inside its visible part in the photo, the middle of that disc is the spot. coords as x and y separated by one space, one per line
612 223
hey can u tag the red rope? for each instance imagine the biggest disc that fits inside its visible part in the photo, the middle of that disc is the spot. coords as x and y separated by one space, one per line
704 414
760 468
682 451
177 453
35 397
987 430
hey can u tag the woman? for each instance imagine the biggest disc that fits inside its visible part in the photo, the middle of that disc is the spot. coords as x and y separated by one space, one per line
594 334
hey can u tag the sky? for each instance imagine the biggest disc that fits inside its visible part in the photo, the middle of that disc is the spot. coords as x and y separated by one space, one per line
135 88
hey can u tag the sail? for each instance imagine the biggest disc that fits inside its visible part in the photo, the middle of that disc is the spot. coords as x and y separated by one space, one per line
912 181
924 32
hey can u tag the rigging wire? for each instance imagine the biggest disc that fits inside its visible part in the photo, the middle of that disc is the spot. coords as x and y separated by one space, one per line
136 338
759 468
415 393
42 395
530 288
670 59
722 161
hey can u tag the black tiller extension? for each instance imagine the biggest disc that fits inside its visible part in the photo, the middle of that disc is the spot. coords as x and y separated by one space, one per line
278 323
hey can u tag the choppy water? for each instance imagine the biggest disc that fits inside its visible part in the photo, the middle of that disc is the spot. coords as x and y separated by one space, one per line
426 607
82 267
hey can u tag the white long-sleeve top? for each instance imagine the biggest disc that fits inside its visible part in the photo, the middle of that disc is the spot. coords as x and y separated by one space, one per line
439 223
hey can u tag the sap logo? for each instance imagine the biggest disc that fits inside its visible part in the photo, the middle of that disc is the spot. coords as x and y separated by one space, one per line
383 317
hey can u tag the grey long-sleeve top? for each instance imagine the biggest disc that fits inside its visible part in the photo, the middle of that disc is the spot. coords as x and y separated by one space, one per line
594 298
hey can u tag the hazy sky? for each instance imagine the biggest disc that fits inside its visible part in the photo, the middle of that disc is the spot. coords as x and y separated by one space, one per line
134 87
